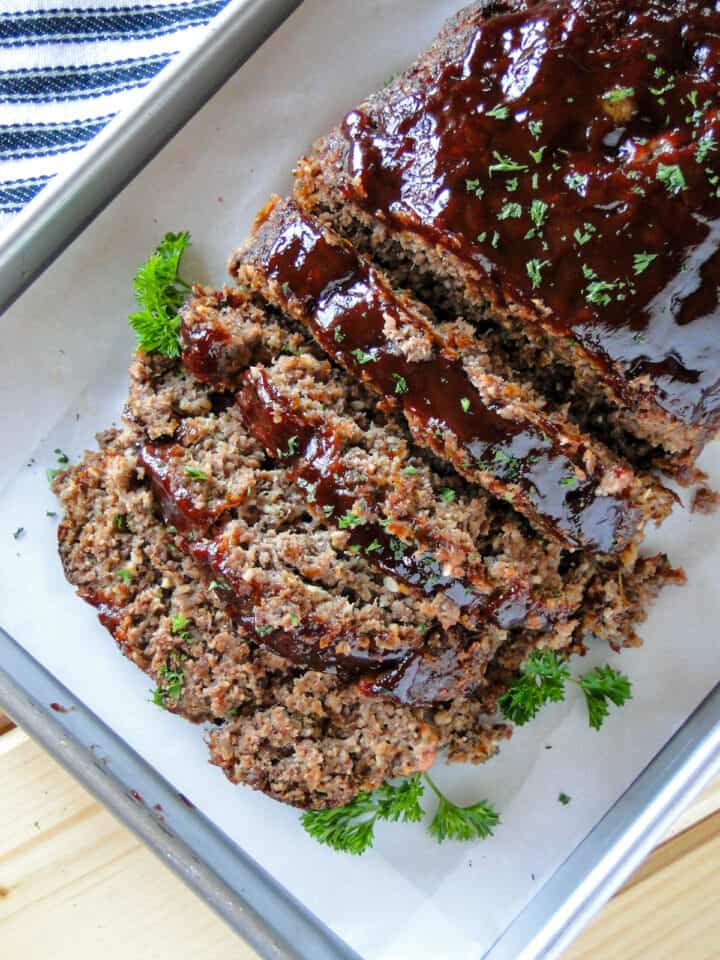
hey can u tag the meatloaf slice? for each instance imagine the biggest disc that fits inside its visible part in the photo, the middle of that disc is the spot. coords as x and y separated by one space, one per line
553 166
294 584
571 489
301 737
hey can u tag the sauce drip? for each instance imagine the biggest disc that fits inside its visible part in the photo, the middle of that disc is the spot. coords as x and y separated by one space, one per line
568 151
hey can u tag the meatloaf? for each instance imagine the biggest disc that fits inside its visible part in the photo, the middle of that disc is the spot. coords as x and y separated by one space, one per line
552 168
307 738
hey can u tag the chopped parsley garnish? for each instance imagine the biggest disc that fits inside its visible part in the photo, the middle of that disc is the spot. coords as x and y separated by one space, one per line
706 146
538 212
543 680
409 471
125 575
170 688
351 828
505 164
671 176
576 181
618 93
473 186
338 335
641 261
448 495
510 211
51 473
350 520
294 618
178 623
291 448
568 482
401 386
465 404
535 127
361 356
564 799
512 184
263 630
329 509
585 235
598 291
537 155
61 456
160 292
373 547
195 473
50 513
19 533
534 269
512 464
499 112
120 521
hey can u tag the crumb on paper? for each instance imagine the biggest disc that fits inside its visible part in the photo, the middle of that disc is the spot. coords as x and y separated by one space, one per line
705 500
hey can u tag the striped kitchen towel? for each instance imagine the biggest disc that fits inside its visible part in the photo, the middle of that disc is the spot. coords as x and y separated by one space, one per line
67 68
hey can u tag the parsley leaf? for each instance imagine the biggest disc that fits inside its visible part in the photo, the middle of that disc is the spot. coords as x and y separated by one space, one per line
671 176
400 384
641 261
499 112
160 292
618 93
542 681
170 688
362 357
125 575
351 828
505 164
510 211
448 494
534 269
538 212
195 473
350 520
451 822
601 685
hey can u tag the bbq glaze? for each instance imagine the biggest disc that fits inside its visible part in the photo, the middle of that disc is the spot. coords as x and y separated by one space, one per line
312 644
607 113
344 302
313 460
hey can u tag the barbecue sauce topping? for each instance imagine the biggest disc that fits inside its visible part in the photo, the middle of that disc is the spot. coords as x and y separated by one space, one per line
346 305
569 153
313 459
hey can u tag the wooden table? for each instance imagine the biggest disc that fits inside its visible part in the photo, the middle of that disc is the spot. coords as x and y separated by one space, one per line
76 885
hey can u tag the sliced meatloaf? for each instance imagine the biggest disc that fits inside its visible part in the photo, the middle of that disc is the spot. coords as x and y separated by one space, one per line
301 737
552 168
294 583
572 489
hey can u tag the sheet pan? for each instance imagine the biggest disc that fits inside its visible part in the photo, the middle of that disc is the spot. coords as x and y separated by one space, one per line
64 376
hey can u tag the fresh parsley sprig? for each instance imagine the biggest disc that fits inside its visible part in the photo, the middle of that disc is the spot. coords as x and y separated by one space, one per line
351 828
160 292
544 680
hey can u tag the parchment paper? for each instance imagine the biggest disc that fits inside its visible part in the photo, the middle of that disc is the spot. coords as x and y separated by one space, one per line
66 348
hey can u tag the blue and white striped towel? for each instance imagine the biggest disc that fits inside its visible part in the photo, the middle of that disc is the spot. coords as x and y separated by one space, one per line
68 67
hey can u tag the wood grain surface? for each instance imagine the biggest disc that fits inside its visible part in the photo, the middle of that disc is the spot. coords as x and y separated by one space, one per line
76 885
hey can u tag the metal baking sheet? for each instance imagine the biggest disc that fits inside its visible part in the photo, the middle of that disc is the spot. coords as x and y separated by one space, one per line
69 379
